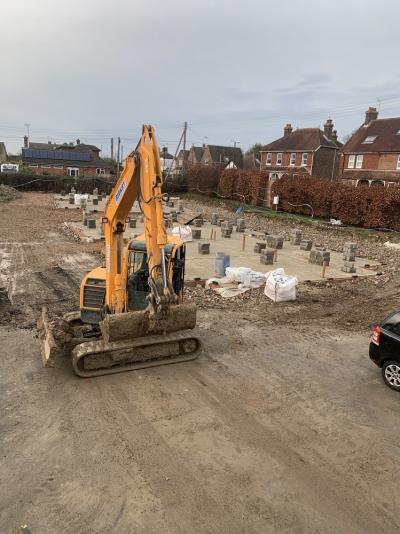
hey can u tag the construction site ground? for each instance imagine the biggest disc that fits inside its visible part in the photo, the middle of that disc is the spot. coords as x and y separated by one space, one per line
281 425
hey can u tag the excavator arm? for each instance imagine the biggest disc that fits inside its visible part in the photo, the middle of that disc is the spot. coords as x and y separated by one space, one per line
140 180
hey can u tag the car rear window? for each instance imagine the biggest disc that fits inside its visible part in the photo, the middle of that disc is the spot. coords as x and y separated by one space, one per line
392 323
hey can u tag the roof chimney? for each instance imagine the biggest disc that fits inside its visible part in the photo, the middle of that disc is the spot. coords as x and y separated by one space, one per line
78 141
334 136
26 141
287 130
328 127
370 115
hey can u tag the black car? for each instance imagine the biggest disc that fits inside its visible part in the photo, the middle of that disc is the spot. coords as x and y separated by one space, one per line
384 349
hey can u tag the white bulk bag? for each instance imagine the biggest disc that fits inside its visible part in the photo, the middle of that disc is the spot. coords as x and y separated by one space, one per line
279 286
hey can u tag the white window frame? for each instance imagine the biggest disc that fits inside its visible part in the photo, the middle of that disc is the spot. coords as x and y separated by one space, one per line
58 166
33 165
292 161
398 163
351 161
279 158
369 139
268 161
73 171
359 161
304 156
46 166
100 171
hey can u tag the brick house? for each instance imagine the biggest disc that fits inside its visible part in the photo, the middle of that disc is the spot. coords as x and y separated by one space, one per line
195 154
222 156
70 159
305 151
371 157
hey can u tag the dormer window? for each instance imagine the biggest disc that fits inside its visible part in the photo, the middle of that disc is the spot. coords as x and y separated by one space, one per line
370 139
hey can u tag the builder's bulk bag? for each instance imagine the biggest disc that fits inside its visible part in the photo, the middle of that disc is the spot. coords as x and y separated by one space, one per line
279 286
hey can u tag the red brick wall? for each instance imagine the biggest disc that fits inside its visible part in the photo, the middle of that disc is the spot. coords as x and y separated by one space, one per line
285 159
388 162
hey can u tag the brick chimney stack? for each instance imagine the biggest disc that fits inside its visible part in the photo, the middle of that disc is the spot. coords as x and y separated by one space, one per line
328 127
370 115
287 130
26 141
334 136
78 141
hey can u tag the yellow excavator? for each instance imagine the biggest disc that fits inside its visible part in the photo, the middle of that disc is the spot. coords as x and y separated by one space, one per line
131 313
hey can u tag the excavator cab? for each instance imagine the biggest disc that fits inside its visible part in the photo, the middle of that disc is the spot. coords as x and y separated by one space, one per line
138 272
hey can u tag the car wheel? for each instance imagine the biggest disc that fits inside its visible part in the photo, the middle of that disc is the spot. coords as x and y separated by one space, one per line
391 374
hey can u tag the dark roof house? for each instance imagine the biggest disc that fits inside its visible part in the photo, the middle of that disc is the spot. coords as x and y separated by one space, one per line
372 154
195 154
67 156
308 151
222 155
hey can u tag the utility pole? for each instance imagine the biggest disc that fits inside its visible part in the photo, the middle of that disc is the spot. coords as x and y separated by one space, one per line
184 149
122 154
27 125
118 155
112 148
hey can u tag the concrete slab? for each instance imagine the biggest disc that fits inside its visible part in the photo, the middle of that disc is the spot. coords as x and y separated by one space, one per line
294 260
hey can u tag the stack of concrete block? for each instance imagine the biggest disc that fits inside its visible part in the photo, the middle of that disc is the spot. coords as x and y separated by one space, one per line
167 223
214 218
71 198
274 241
174 216
84 217
240 225
204 248
99 197
95 192
73 190
349 251
95 201
267 256
226 232
171 204
349 256
91 223
319 256
259 247
196 234
306 244
180 206
198 222
132 223
295 236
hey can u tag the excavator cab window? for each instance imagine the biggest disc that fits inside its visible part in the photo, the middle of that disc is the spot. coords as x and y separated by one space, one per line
138 275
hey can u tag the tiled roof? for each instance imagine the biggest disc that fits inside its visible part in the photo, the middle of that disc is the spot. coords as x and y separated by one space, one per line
386 133
301 139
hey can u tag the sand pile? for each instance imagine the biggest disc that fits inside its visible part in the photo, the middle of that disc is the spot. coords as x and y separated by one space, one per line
8 193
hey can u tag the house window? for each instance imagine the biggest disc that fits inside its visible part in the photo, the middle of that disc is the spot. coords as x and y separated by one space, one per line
293 158
398 163
58 167
73 171
279 158
46 166
32 165
304 158
269 158
359 161
350 163
100 171
370 139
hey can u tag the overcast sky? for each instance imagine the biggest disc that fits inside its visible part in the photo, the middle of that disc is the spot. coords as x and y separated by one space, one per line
235 70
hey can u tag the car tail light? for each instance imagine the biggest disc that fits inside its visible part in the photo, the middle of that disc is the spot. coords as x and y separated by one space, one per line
376 337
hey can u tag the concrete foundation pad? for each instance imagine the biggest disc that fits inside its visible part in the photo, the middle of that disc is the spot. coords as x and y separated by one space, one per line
291 258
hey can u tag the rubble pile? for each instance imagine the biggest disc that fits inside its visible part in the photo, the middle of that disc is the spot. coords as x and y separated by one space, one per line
8 193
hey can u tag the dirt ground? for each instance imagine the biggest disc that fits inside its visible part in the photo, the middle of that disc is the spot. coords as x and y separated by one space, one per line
281 425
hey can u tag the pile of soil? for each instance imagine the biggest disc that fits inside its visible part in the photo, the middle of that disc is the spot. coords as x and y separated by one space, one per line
8 193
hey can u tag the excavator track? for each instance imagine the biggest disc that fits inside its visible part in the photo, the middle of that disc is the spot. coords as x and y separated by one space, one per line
96 358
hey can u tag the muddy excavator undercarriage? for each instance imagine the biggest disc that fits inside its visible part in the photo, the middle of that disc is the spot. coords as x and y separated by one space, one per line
131 313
